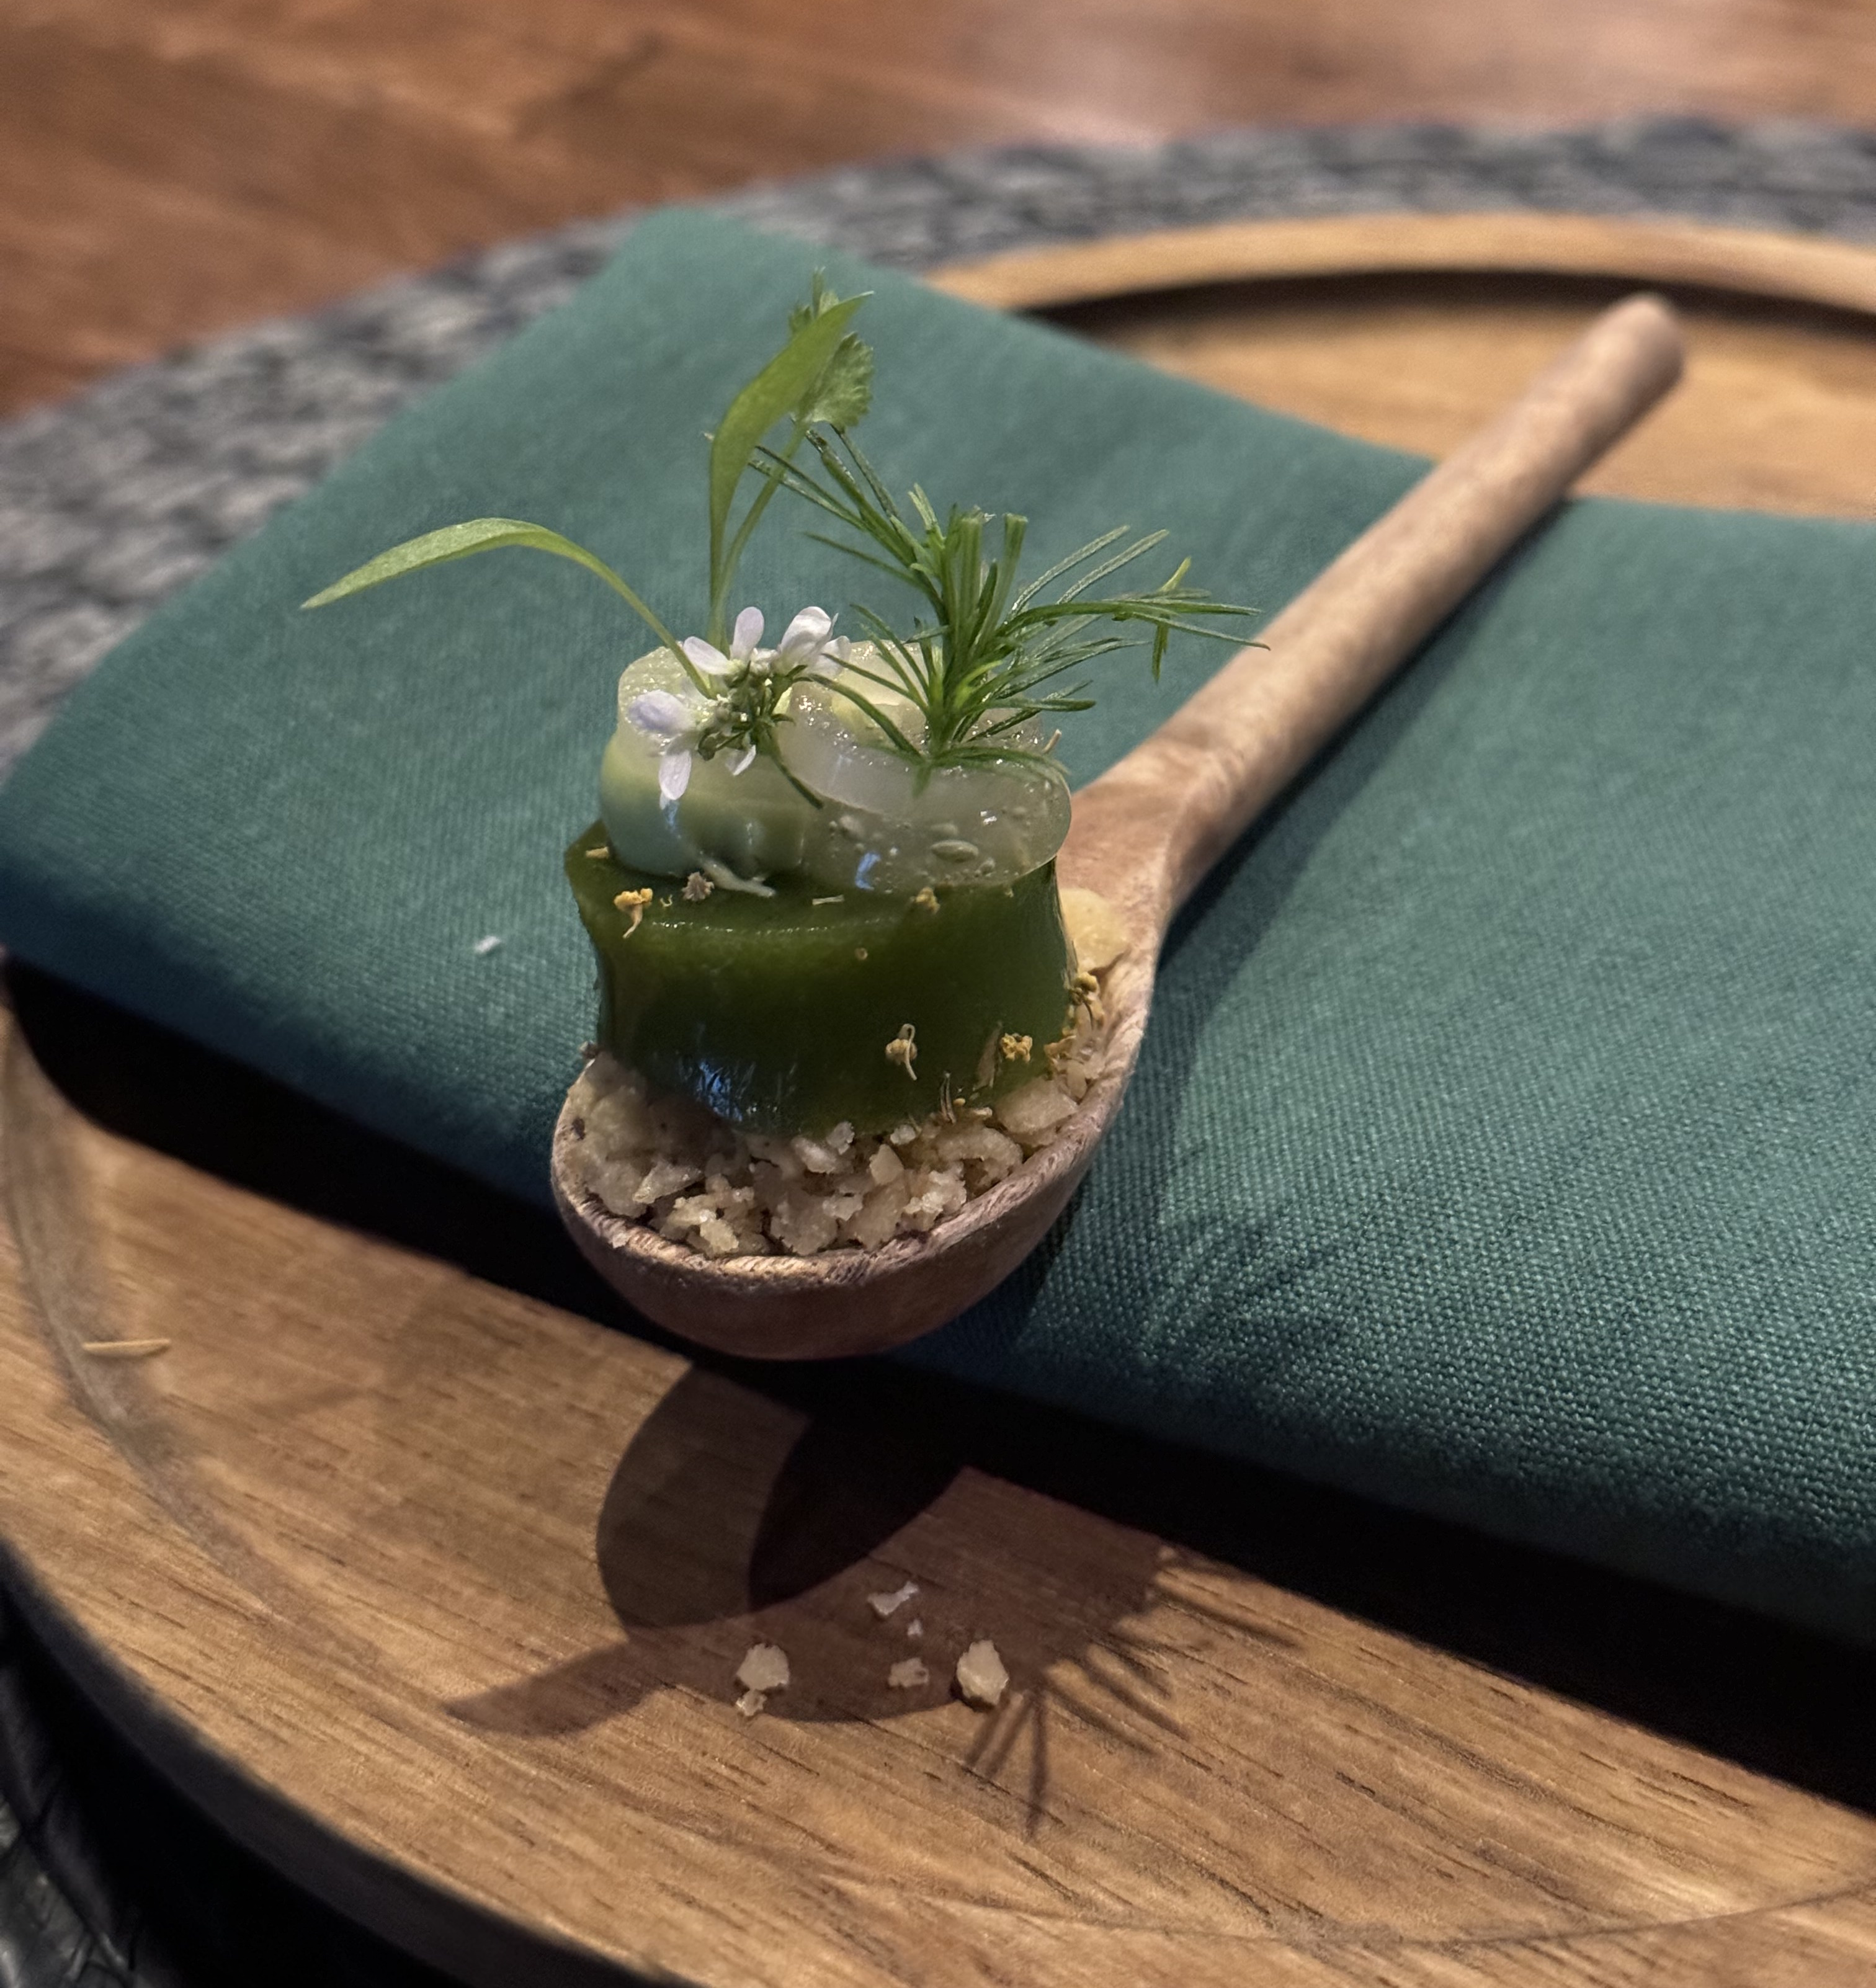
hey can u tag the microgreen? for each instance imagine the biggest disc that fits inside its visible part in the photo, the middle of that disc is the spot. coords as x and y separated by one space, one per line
822 373
482 534
980 664
983 660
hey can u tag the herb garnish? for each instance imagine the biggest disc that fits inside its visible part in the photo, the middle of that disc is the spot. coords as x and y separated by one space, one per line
977 667
976 671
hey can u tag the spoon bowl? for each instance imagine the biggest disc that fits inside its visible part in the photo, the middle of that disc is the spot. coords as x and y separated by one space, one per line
846 1301
1142 836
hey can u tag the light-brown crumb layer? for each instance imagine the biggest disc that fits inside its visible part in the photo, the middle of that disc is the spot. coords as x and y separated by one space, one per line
697 1180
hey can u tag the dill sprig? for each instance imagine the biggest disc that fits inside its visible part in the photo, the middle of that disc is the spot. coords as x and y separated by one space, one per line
979 665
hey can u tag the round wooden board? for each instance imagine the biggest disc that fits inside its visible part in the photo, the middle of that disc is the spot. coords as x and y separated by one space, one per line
435 1590
1412 329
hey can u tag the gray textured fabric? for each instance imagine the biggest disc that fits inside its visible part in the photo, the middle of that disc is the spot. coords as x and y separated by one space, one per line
110 503
63 1923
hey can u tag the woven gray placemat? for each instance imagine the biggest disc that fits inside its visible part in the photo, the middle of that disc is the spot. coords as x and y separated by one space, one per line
113 500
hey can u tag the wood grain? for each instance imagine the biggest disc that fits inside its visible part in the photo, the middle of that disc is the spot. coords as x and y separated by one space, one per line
461 1579
435 1590
177 167
1409 330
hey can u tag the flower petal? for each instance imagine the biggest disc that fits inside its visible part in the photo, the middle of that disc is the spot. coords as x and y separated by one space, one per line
806 633
662 714
706 656
741 763
833 658
673 776
748 633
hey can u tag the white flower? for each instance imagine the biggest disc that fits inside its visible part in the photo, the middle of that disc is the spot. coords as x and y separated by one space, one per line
706 656
676 721
809 639
678 718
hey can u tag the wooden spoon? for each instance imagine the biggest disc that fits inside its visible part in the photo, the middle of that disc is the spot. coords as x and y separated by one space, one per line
1144 833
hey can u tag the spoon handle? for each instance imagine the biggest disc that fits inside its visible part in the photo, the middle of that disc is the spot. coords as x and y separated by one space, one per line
1148 829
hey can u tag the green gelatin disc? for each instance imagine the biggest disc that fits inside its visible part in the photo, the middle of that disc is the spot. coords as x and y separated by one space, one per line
778 1012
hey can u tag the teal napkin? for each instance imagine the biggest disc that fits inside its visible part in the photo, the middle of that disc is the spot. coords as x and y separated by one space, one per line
1502 1142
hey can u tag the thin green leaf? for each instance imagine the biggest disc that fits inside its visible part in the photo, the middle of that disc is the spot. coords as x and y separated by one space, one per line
1121 559
888 730
980 671
483 534
1068 565
853 552
777 390
882 497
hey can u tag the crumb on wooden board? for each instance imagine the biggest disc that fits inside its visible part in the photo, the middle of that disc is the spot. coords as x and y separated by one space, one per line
981 1679
763 1672
764 1668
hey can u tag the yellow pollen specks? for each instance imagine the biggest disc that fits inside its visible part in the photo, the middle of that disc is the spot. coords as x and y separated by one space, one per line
903 1050
1016 1048
697 886
925 900
635 902
1087 990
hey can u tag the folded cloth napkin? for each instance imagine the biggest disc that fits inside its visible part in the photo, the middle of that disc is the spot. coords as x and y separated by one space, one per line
1501 1144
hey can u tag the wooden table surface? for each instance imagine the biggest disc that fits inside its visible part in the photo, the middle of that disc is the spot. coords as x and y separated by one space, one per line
175 166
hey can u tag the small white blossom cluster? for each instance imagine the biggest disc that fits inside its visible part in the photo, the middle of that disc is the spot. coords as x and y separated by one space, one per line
697 1180
749 682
